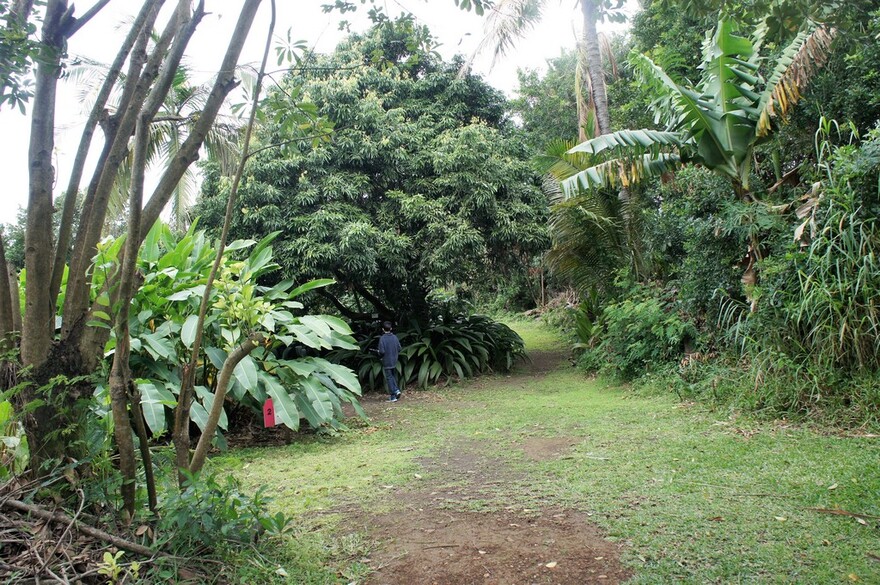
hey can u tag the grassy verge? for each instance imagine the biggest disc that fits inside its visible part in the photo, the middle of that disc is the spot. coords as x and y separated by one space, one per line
698 499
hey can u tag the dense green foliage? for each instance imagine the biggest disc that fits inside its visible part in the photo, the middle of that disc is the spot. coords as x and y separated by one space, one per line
423 185
164 317
752 285
458 347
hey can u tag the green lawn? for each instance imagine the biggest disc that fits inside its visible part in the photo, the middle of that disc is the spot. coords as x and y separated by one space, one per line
696 498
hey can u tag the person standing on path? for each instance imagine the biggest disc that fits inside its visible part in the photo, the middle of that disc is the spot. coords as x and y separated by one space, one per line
389 349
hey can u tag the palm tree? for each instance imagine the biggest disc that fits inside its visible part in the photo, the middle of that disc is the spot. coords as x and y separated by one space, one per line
171 126
595 232
511 20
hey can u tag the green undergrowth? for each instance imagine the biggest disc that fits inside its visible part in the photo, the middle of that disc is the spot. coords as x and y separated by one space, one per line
695 497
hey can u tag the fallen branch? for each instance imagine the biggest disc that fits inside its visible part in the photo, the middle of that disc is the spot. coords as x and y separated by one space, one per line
837 512
84 528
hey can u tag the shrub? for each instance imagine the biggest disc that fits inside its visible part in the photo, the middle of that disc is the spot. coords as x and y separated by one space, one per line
463 347
207 514
642 332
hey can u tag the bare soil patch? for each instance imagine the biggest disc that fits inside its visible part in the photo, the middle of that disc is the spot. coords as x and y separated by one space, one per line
543 448
469 525
431 545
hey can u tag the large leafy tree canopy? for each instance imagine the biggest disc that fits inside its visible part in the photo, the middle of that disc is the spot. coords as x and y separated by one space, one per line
423 185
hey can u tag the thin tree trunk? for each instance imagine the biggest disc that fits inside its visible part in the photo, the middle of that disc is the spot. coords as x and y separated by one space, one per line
232 360
120 373
185 397
141 28
594 66
76 301
137 416
14 298
6 323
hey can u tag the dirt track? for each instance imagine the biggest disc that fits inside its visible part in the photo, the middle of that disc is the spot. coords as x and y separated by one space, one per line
462 530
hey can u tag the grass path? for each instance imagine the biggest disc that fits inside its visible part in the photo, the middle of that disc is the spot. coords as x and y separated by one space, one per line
681 494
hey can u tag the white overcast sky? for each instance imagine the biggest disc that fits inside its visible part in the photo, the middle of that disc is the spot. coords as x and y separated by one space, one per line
456 31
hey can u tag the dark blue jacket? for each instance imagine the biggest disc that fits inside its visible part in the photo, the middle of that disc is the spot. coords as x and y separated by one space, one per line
389 349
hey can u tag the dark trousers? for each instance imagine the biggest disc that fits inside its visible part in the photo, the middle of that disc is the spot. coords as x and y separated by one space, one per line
391 381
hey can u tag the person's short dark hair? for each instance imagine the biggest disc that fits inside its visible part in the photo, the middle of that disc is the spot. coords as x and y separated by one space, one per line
386 325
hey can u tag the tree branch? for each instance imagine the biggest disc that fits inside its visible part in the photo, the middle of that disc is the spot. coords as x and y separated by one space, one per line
78 23
353 315
62 518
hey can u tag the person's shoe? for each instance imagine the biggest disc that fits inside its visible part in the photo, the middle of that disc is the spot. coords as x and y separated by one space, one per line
398 396
392 399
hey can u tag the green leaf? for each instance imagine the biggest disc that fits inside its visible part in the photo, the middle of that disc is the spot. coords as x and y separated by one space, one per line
199 415
341 375
154 399
316 324
196 291
159 347
188 331
319 283
217 356
317 395
246 372
207 398
240 245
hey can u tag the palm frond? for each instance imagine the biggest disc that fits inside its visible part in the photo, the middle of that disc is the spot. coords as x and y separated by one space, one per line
508 22
635 141
607 51
797 65
622 172
587 247
557 162
586 109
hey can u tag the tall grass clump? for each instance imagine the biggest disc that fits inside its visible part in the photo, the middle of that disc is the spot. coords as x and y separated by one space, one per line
814 342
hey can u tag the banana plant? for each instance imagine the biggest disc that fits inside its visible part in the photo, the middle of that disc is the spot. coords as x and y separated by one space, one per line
716 123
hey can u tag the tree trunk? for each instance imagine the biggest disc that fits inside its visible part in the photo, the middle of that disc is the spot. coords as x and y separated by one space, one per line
6 322
594 66
14 298
38 320
232 360
120 373
38 323
76 302
141 28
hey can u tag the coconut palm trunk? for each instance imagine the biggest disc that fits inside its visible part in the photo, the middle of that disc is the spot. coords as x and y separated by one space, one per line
598 91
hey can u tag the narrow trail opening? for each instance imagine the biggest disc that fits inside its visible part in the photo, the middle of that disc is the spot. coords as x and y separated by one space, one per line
462 526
